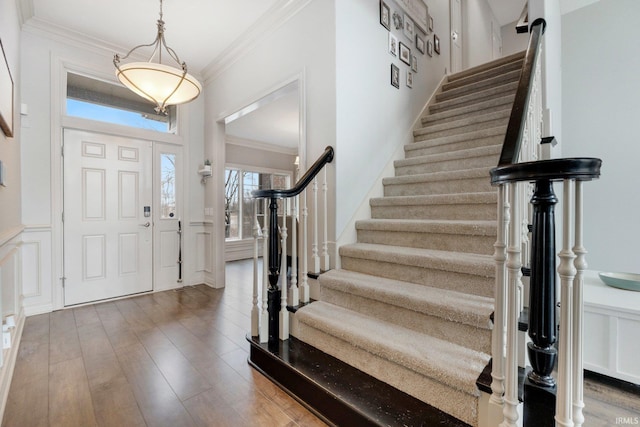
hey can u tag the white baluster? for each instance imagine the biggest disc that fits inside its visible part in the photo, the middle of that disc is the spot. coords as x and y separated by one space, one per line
567 272
325 243
264 314
255 312
314 246
499 314
578 303
294 296
304 289
284 314
514 273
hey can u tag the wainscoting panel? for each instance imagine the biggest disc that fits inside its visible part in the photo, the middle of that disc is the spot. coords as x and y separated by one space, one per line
37 270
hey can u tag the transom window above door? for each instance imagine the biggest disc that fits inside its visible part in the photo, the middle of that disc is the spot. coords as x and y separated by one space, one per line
94 99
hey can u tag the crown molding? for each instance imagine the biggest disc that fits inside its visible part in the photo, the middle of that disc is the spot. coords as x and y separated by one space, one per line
274 18
259 145
57 33
25 10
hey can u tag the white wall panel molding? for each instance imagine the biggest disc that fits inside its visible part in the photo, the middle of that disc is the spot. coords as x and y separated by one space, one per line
37 272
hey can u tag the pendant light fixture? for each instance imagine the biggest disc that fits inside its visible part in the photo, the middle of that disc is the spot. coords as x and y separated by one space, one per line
162 84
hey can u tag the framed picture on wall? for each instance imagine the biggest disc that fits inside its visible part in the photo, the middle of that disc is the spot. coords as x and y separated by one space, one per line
409 29
420 43
395 76
436 44
430 24
405 53
429 48
6 95
385 15
393 45
409 79
414 63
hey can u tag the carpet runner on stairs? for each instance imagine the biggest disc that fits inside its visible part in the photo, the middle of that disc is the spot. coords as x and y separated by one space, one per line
411 303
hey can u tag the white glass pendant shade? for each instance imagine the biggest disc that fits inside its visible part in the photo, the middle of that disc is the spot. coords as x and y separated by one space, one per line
161 84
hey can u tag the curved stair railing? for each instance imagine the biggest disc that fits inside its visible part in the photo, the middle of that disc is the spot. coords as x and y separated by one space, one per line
270 315
518 175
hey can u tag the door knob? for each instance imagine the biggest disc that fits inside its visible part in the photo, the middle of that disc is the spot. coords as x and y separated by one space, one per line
146 224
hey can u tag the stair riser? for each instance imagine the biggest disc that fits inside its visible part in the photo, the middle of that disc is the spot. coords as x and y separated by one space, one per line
489 160
460 282
455 402
474 98
425 150
438 327
486 67
469 212
457 186
491 83
445 242
499 114
469 112
493 72
428 133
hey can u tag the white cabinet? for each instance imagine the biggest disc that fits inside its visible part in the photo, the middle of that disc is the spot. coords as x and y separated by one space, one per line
611 330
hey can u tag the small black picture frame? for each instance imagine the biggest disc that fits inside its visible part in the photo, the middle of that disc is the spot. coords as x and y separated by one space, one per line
436 44
404 53
385 15
420 44
395 76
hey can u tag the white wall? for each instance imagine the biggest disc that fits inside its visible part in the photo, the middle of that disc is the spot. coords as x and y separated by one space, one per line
301 48
512 42
600 110
478 22
374 119
10 147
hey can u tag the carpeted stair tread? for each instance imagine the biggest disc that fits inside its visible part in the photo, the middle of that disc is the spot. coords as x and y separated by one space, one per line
463 122
488 197
472 264
470 110
474 98
472 87
453 82
450 364
459 155
479 138
476 228
493 65
453 306
438 176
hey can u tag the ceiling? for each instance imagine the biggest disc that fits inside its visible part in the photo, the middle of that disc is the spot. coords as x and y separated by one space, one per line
200 31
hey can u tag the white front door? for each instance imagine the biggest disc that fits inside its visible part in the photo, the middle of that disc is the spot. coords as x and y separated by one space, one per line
108 240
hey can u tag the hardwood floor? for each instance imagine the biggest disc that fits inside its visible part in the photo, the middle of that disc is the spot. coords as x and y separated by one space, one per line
175 358
178 358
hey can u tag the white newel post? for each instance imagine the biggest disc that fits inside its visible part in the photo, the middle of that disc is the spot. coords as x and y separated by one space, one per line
314 248
264 314
304 296
294 296
567 272
255 312
499 316
514 265
284 314
578 305
325 243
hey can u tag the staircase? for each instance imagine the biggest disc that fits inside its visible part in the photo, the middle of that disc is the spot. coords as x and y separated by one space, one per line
412 302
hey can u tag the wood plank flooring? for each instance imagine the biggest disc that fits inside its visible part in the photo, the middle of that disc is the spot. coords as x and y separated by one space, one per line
177 358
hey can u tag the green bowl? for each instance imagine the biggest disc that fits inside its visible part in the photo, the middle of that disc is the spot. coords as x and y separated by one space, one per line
628 281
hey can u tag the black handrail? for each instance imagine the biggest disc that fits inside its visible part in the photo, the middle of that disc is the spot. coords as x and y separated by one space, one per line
274 293
515 128
326 157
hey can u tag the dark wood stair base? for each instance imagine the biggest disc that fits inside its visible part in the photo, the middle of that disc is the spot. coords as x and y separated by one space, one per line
338 393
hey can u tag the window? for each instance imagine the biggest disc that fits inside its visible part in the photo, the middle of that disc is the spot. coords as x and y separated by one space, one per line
97 100
167 185
239 203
